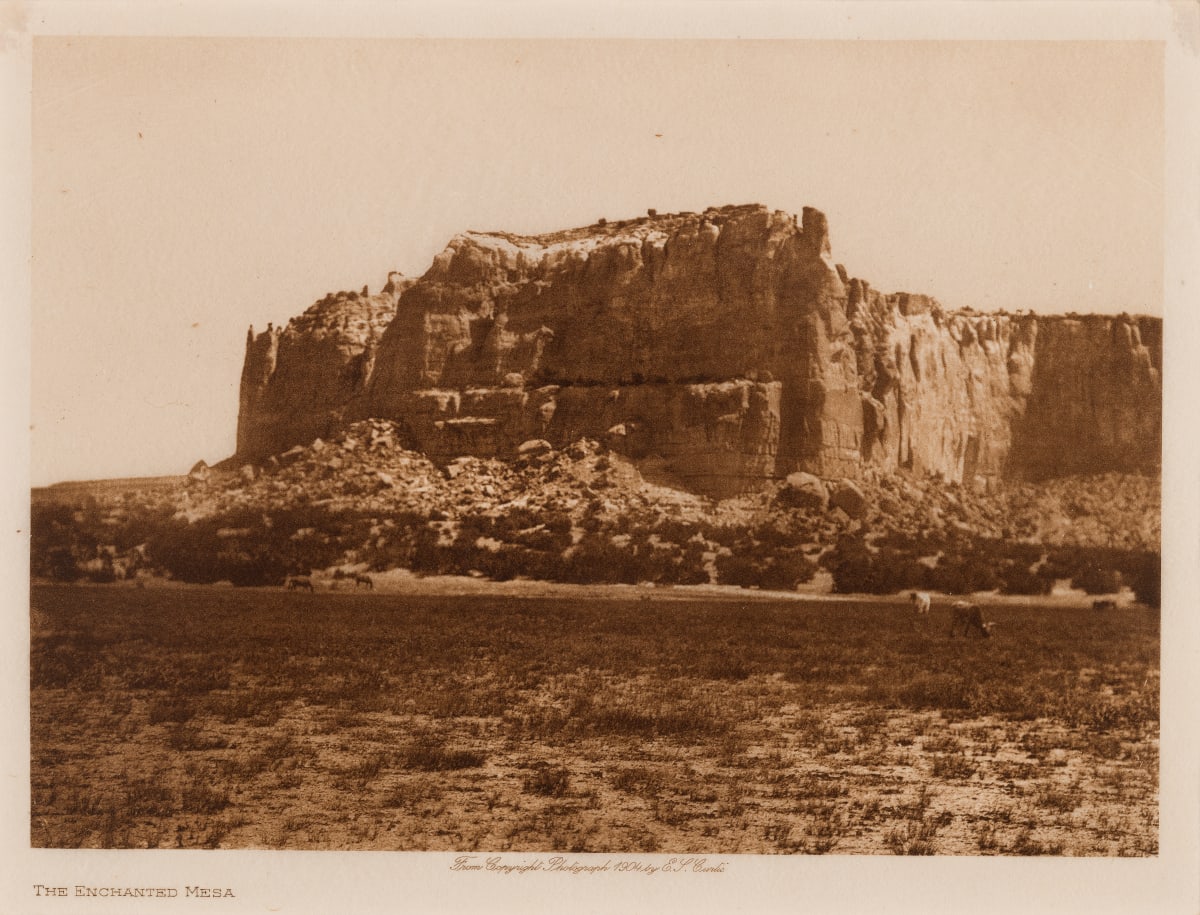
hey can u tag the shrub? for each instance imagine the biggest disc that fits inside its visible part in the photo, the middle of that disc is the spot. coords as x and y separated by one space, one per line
1146 579
597 559
781 571
1018 579
429 557
690 568
59 542
851 567
1093 579
56 563
737 569
897 570
187 551
105 575
857 570
255 570
965 573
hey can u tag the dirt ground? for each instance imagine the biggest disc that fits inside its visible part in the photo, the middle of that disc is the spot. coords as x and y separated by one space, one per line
208 717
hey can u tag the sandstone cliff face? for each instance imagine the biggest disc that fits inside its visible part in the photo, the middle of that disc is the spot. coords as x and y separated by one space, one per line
723 347
719 438
1095 401
299 381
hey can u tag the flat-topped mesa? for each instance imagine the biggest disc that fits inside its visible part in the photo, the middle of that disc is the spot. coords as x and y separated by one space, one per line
725 347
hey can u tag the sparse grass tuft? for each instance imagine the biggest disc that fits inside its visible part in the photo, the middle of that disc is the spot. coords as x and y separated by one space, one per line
410 793
369 767
1025 844
549 781
171 708
954 766
638 780
431 755
148 799
1057 800
204 799
914 838
190 738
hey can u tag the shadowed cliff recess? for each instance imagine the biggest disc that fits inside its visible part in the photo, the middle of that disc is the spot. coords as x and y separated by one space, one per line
719 349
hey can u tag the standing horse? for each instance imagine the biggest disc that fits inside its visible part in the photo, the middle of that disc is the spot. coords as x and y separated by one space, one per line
299 583
969 618
365 581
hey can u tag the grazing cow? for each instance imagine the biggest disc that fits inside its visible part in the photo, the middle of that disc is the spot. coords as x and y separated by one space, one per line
970 618
365 581
1104 605
920 601
299 583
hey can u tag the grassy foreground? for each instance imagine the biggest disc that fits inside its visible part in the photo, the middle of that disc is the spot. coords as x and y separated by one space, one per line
198 717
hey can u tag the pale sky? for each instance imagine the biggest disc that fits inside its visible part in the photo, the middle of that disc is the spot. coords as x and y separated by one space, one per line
185 188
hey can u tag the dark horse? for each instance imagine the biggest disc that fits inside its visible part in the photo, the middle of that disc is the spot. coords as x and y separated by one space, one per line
969 618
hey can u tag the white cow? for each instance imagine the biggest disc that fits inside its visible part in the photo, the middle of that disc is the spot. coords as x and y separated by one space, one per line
970 618
920 600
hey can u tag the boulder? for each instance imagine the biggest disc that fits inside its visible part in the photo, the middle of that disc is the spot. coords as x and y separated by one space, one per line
200 472
803 490
581 449
292 455
889 506
534 447
248 473
849 498
514 380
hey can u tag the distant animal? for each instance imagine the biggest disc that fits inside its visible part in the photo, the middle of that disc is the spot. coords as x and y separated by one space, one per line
299 583
1104 605
365 581
920 601
969 618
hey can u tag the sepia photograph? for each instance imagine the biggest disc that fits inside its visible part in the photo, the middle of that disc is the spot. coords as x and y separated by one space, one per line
585 458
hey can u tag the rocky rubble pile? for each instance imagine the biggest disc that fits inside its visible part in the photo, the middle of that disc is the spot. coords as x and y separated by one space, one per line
365 468
582 513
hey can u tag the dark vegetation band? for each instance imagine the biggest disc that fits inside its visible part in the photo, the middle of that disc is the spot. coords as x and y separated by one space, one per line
256 548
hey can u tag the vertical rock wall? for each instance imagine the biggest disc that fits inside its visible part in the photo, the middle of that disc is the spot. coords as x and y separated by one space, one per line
724 347
1095 399
298 383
